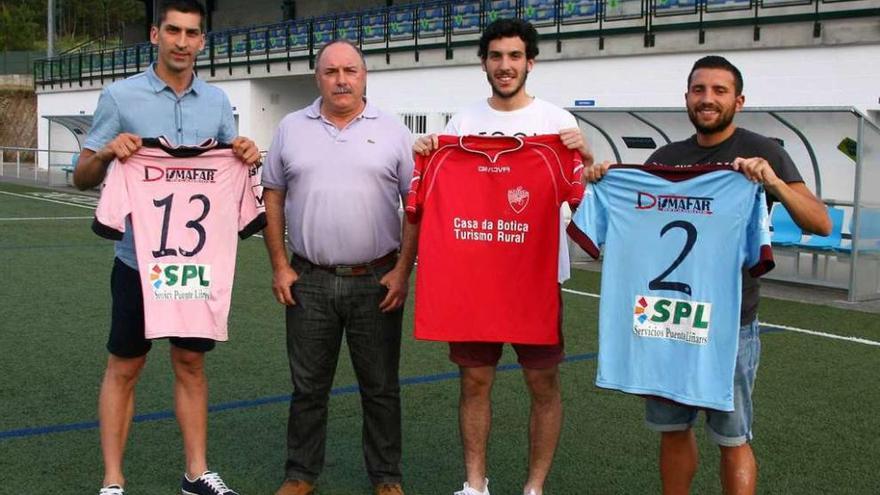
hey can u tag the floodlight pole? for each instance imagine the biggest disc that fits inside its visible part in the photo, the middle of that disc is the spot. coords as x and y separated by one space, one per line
50 29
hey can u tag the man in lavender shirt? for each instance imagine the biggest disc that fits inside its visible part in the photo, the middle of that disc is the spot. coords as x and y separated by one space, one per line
335 175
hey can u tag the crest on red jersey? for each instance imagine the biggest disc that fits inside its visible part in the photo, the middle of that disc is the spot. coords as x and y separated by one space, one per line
518 199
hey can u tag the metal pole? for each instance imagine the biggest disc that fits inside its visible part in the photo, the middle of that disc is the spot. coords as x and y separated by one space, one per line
855 236
50 29
18 164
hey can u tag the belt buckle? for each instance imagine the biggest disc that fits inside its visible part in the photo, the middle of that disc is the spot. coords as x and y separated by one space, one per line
351 271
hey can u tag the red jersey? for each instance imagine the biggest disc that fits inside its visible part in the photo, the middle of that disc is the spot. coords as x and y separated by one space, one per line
489 237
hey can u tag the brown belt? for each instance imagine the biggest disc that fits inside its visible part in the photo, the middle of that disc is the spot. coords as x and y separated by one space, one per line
353 270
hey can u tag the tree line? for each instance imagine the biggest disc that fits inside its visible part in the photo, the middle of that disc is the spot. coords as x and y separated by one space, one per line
23 22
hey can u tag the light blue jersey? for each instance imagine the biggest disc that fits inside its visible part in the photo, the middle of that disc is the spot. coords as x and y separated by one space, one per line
675 242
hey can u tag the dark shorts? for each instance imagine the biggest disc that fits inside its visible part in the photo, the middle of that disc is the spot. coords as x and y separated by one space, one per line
478 354
127 326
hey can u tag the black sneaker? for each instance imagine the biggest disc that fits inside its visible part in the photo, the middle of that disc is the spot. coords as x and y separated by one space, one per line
209 483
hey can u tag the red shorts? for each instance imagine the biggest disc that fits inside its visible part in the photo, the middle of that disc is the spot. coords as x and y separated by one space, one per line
478 354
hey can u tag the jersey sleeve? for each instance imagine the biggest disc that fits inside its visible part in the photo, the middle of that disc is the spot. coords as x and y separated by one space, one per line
416 195
114 205
575 179
405 165
589 223
759 254
251 218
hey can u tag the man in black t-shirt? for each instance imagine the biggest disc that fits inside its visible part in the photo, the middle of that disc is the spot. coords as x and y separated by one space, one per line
713 97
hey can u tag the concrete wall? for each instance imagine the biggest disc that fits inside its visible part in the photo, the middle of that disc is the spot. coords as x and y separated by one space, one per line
272 99
822 76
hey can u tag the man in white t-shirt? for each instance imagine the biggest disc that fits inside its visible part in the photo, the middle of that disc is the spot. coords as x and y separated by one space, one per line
508 48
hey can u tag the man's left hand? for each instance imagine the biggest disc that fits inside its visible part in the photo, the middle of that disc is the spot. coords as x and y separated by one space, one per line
397 283
573 139
246 150
757 170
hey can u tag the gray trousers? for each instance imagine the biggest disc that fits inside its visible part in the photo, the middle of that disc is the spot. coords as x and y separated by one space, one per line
328 306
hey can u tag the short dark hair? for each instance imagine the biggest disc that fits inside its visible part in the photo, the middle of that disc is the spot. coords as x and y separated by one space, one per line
185 6
716 62
508 28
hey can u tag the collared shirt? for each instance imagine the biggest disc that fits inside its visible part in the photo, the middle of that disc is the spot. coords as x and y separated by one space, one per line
343 186
146 106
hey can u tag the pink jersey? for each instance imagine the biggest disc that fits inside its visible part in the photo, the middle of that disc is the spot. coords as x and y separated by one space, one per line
489 213
188 205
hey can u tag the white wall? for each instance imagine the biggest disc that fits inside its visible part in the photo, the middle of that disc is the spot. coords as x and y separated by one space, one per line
823 76
272 99
72 103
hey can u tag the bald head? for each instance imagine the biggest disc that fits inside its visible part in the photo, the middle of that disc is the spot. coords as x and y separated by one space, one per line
339 48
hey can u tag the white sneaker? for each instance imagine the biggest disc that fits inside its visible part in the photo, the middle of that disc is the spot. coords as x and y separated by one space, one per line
468 490
112 490
532 491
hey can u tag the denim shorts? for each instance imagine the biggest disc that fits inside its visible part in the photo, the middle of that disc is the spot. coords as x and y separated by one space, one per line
727 429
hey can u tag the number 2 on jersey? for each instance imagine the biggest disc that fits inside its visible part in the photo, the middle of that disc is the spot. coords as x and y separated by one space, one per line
166 203
659 283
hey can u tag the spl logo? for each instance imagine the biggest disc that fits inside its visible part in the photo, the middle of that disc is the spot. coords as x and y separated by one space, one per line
674 319
180 282
518 199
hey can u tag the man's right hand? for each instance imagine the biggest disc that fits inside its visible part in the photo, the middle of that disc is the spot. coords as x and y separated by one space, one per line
425 145
282 283
122 147
595 172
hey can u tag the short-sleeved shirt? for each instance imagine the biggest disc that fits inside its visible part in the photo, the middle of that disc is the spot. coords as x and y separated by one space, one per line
746 144
489 213
145 105
538 117
676 240
344 187
187 205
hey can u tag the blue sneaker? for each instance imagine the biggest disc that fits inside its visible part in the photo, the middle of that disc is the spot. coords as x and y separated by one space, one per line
209 483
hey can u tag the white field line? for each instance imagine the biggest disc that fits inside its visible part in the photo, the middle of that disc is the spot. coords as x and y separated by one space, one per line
26 196
857 340
25 219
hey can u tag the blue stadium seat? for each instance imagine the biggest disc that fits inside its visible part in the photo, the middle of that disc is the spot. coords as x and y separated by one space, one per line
400 24
499 9
299 36
239 45
221 47
727 4
323 32
785 231
581 10
539 12
258 41
466 17
869 231
373 25
347 29
276 38
831 241
432 21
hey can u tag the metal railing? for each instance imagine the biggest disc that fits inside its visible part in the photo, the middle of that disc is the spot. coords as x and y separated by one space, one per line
449 24
23 165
